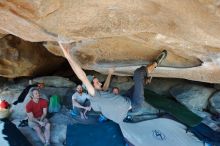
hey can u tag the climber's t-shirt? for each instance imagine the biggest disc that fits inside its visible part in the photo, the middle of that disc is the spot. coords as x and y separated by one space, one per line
114 107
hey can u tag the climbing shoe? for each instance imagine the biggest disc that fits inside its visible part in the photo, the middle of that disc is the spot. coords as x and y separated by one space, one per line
161 57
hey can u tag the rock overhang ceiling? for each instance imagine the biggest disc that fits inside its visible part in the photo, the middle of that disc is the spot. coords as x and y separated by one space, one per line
125 35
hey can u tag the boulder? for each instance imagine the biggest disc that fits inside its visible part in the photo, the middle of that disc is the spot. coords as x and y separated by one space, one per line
55 81
194 97
217 86
2 33
124 35
67 99
162 85
215 103
213 124
23 58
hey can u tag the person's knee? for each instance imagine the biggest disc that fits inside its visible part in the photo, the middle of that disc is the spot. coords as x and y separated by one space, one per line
47 126
37 128
87 103
140 70
140 74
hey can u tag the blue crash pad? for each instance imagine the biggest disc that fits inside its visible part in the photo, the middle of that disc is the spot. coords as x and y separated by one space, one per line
99 134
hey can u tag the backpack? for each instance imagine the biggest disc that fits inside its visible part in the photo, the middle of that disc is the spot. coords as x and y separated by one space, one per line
54 104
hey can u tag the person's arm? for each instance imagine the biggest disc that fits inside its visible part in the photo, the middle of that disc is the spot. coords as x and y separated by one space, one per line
31 117
44 114
76 104
77 69
108 80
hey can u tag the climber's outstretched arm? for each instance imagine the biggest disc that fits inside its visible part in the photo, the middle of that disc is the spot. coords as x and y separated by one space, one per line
77 69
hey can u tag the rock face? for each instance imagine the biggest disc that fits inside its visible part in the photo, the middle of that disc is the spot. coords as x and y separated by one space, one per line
22 58
194 97
125 34
215 103
55 81
2 33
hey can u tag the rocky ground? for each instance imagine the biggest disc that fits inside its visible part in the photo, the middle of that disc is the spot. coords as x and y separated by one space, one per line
196 96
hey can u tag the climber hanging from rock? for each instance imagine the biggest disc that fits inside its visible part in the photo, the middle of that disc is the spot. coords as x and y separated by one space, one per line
115 107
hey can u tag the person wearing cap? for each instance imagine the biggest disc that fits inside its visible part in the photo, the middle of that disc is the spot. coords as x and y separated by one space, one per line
114 107
80 102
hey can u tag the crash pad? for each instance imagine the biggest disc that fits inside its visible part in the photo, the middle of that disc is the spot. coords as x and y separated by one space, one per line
179 111
99 134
